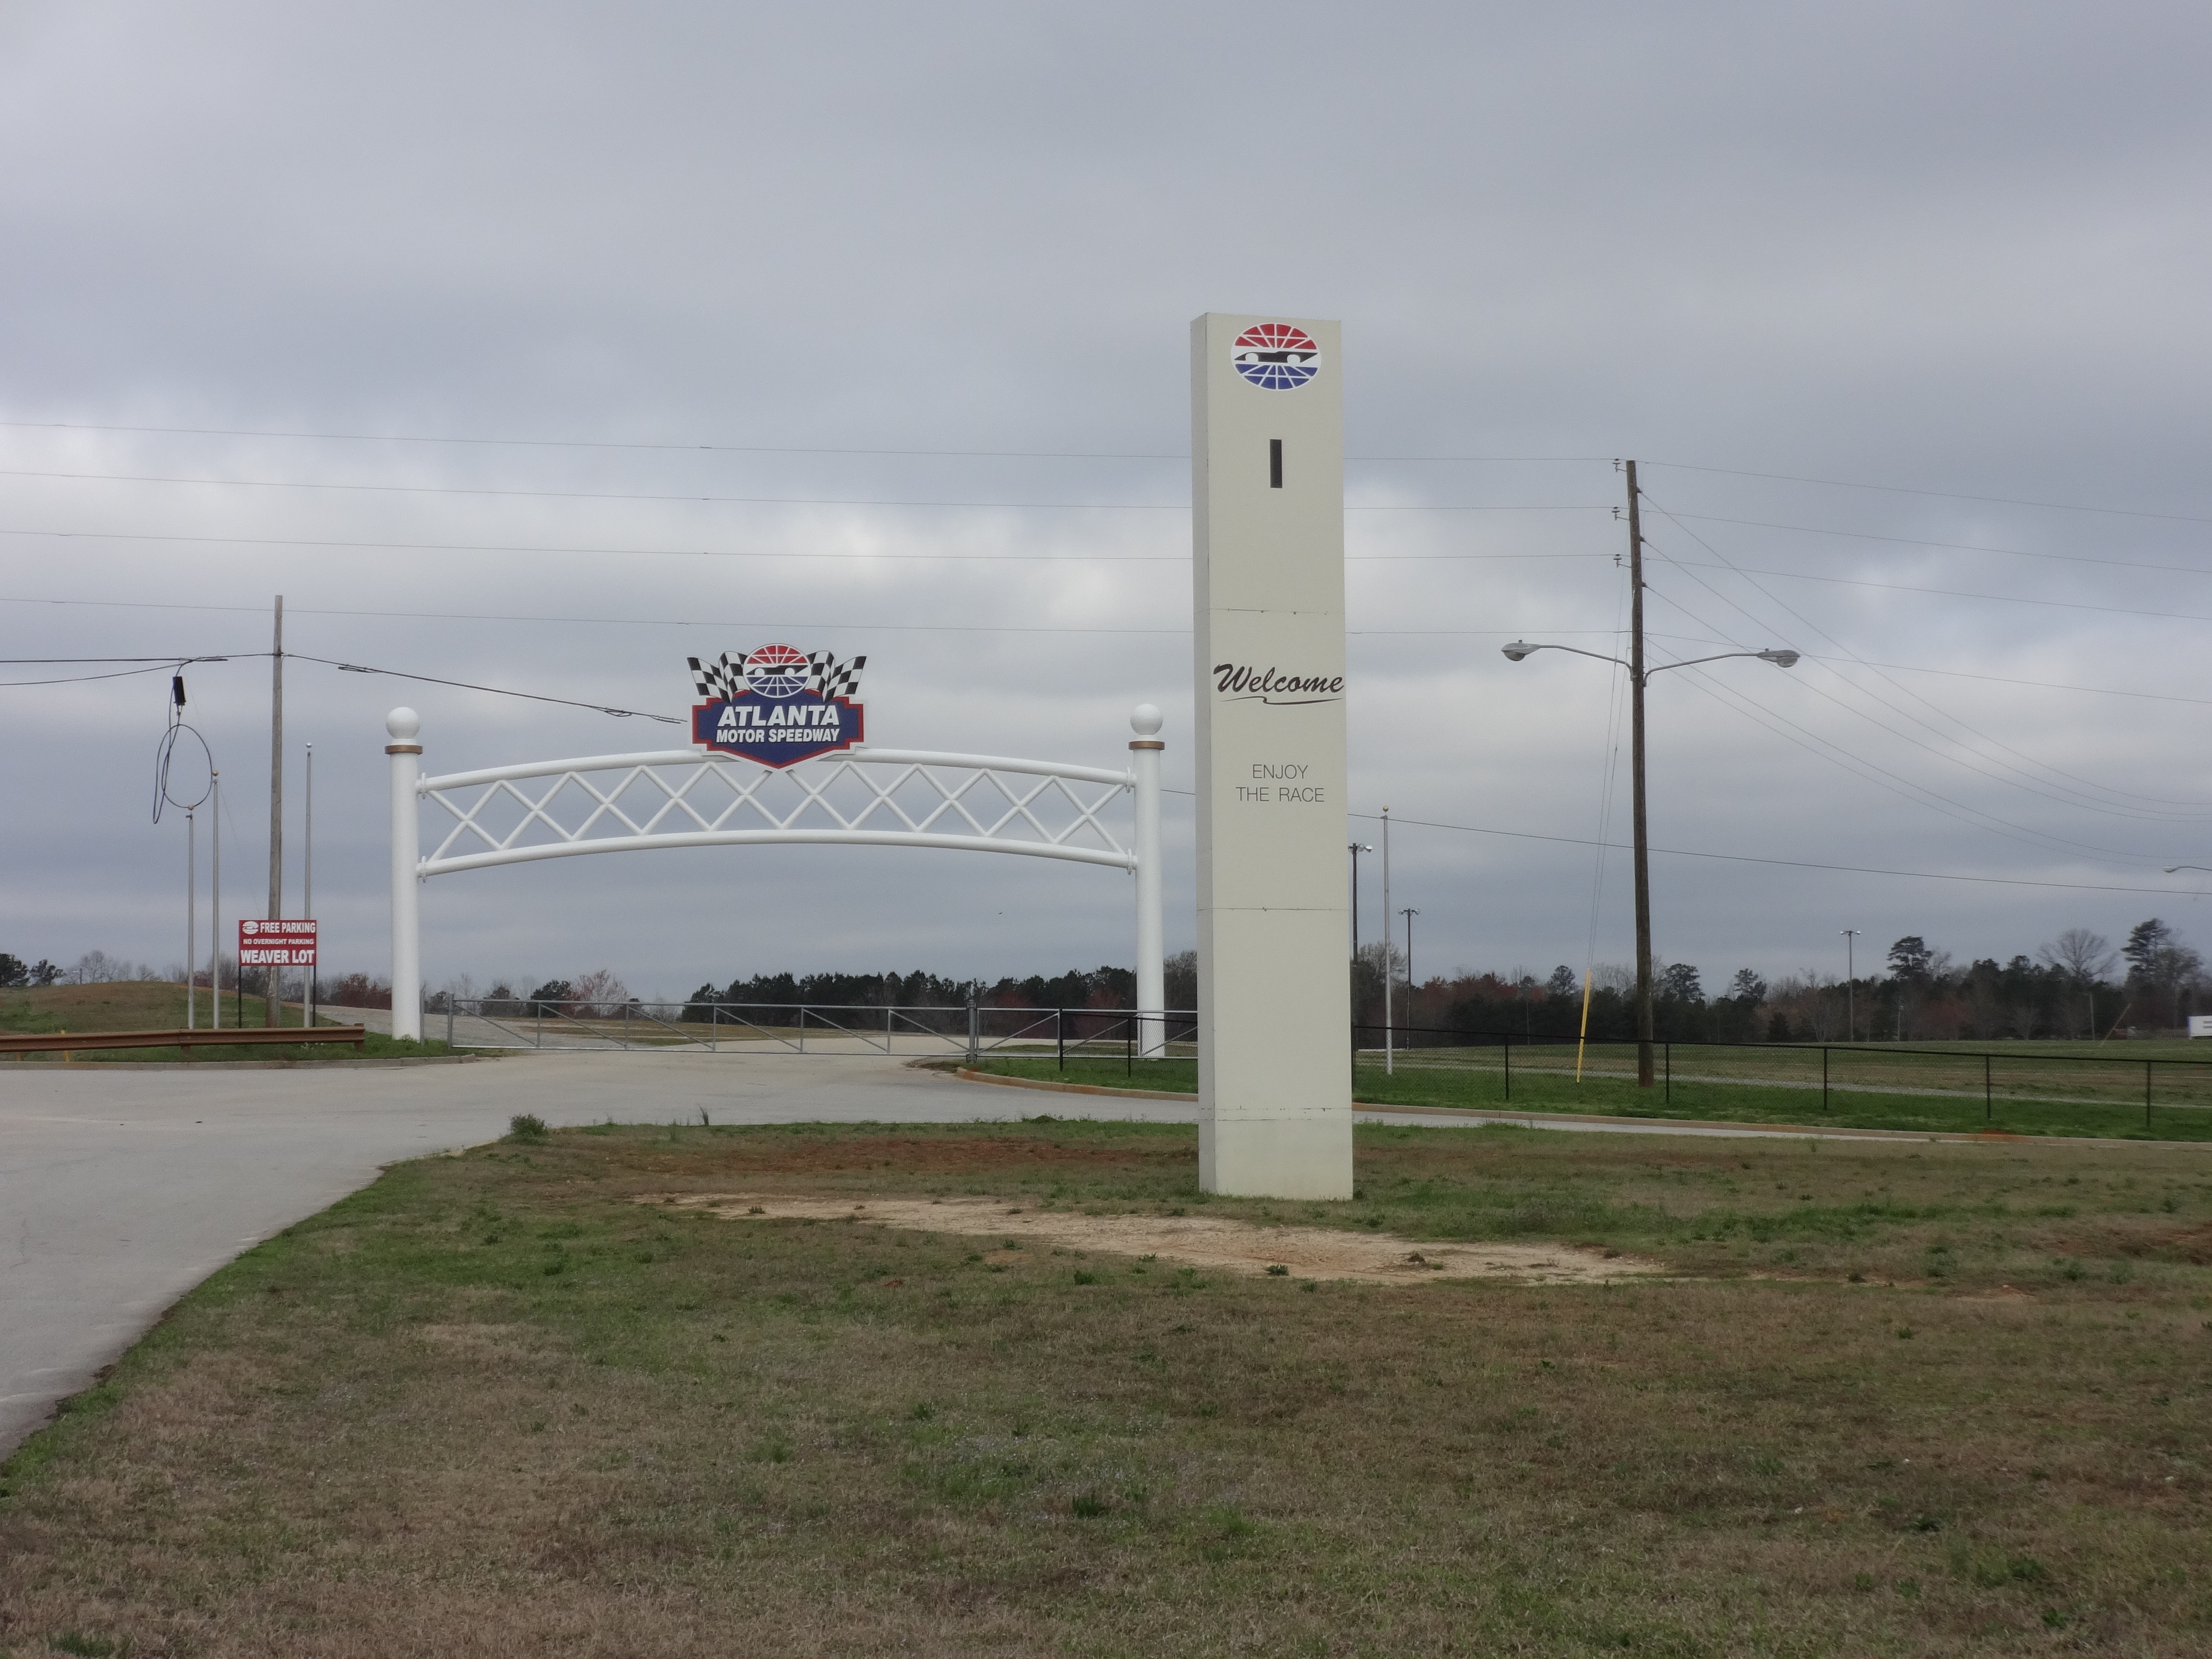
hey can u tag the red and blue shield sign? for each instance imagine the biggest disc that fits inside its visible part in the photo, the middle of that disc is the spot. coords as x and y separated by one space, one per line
1276 356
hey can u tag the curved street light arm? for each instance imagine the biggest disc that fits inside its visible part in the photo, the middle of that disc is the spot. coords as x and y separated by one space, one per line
1780 659
1521 649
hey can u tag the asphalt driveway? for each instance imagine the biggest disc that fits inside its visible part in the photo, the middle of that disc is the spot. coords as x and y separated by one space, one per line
120 1189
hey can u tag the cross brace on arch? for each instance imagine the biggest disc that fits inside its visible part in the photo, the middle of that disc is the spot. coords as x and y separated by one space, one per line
864 796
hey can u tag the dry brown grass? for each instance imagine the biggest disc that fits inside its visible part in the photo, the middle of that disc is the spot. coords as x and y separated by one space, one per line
494 1405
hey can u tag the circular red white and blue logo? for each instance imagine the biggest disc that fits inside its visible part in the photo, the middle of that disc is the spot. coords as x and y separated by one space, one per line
1276 356
777 671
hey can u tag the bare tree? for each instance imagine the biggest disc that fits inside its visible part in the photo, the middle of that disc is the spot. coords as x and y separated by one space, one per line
97 968
598 995
2083 956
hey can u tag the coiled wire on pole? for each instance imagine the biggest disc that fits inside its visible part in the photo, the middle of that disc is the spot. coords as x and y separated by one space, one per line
165 752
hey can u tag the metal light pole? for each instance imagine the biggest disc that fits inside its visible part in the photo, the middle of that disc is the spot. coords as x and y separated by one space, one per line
272 1007
1356 849
1389 1051
1409 914
1850 936
214 900
1638 674
309 987
191 919
1643 855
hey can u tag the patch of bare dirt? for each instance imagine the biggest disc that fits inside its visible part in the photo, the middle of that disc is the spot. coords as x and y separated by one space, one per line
1239 1246
929 1155
2127 1237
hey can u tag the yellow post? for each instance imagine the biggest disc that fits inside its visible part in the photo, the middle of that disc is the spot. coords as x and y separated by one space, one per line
1582 1037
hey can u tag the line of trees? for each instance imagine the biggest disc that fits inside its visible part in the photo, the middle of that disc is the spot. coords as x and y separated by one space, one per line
92 967
773 997
2078 985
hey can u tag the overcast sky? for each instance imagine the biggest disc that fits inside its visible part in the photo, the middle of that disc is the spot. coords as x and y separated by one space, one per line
913 285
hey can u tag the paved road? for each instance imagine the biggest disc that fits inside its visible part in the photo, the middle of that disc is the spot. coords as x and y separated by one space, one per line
121 1189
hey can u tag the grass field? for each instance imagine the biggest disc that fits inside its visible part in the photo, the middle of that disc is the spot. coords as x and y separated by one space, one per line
1891 1399
1870 1089
156 1006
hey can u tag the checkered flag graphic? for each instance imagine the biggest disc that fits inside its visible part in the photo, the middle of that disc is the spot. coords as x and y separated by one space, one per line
721 680
831 678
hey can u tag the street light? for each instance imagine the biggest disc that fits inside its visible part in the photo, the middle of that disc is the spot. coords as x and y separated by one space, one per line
1356 849
1638 674
1521 649
1851 938
1409 912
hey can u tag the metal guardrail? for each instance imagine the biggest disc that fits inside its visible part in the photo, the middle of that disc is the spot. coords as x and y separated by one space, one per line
33 1042
971 1030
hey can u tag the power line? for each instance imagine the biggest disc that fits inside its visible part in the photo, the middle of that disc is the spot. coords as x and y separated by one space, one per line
1828 749
706 552
37 662
2039 685
1947 592
1944 494
1038 454
589 443
722 449
577 495
751 623
1963 547
166 665
2090 785
529 696
1873 772
2026 781
1791 864
743 500
161 664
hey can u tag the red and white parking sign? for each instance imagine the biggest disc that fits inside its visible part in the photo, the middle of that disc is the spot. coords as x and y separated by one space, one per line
277 944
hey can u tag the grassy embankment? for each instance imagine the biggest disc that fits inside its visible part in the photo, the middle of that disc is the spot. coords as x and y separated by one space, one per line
1896 1399
2030 1090
156 1006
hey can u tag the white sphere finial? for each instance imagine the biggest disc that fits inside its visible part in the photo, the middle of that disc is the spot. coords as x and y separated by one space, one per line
1145 720
403 724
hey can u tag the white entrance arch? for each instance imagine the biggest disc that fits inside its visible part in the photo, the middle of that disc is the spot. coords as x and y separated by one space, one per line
865 797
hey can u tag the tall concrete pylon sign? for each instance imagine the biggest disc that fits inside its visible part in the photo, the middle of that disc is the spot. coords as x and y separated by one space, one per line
1273 985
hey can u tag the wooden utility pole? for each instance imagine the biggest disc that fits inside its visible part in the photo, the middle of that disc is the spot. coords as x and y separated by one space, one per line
272 1004
1644 1077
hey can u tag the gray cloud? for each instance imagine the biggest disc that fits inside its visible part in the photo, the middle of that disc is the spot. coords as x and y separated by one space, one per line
1959 249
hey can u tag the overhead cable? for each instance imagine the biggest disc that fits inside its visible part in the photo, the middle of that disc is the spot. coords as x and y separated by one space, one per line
1961 547
744 501
1903 691
1036 560
1791 864
752 623
501 691
1943 494
723 449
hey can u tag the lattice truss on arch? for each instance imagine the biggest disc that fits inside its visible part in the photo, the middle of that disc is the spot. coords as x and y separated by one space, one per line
845 793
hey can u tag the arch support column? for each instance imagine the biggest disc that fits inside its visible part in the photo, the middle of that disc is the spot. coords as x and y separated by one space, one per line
403 725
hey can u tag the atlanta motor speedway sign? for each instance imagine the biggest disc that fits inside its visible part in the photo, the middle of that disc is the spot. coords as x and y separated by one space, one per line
777 704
